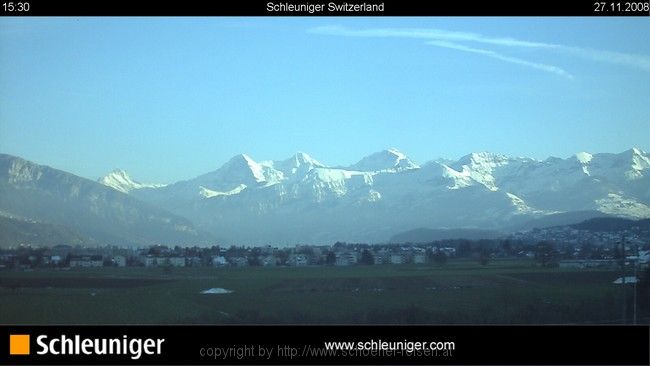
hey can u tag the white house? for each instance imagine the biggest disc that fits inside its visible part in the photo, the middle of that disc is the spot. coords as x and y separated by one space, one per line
152 261
297 260
86 261
626 280
449 252
52 260
175 261
219 261
396 258
345 258
419 258
269 261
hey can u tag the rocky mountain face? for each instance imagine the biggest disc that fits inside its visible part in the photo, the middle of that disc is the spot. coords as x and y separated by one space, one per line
44 196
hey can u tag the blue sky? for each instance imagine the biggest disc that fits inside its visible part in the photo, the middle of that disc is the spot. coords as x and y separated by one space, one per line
171 98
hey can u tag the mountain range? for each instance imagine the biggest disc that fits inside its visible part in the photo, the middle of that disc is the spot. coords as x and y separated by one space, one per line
38 199
302 200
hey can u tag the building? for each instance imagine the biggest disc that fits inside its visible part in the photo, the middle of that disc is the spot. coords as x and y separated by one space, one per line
588 263
86 261
298 260
219 261
268 261
52 260
175 261
626 280
419 258
119 260
150 261
382 256
193 261
449 252
396 258
153 261
238 261
345 258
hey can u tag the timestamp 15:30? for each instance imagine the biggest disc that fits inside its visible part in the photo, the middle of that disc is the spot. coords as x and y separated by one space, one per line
15 7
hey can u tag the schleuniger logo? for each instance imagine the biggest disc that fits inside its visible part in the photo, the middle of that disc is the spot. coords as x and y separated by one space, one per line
19 344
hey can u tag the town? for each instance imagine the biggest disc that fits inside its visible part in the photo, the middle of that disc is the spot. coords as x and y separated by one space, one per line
561 246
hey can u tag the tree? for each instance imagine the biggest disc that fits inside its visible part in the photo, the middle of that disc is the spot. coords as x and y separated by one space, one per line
464 249
484 256
366 257
254 260
506 247
643 292
546 254
429 254
330 259
439 257
283 256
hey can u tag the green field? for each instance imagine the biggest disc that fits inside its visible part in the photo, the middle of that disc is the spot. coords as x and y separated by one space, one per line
508 291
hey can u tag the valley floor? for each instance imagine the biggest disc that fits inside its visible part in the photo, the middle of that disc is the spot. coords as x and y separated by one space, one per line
459 292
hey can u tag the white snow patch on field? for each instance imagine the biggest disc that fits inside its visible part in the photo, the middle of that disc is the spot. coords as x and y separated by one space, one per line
216 291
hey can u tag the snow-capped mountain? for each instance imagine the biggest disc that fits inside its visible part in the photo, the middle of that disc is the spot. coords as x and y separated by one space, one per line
296 165
120 180
300 199
391 160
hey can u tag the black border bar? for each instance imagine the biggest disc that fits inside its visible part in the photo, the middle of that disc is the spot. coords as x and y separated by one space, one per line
389 8
491 345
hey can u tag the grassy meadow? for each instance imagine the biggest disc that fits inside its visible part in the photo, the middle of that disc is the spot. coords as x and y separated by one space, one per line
459 292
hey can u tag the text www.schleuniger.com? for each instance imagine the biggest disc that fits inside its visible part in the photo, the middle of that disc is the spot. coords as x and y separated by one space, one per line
379 347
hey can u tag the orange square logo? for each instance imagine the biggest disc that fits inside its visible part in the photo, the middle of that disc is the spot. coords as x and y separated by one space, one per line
19 344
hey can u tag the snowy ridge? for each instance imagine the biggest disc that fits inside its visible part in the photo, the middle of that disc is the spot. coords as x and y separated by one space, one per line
390 160
120 180
301 199
616 204
640 163
300 162
244 164
483 166
207 193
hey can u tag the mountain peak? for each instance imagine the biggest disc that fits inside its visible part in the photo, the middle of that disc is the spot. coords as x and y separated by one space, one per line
120 180
119 172
483 157
301 158
386 160
583 157
304 158
298 162
637 151
481 166
640 162
396 152
242 166
241 158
